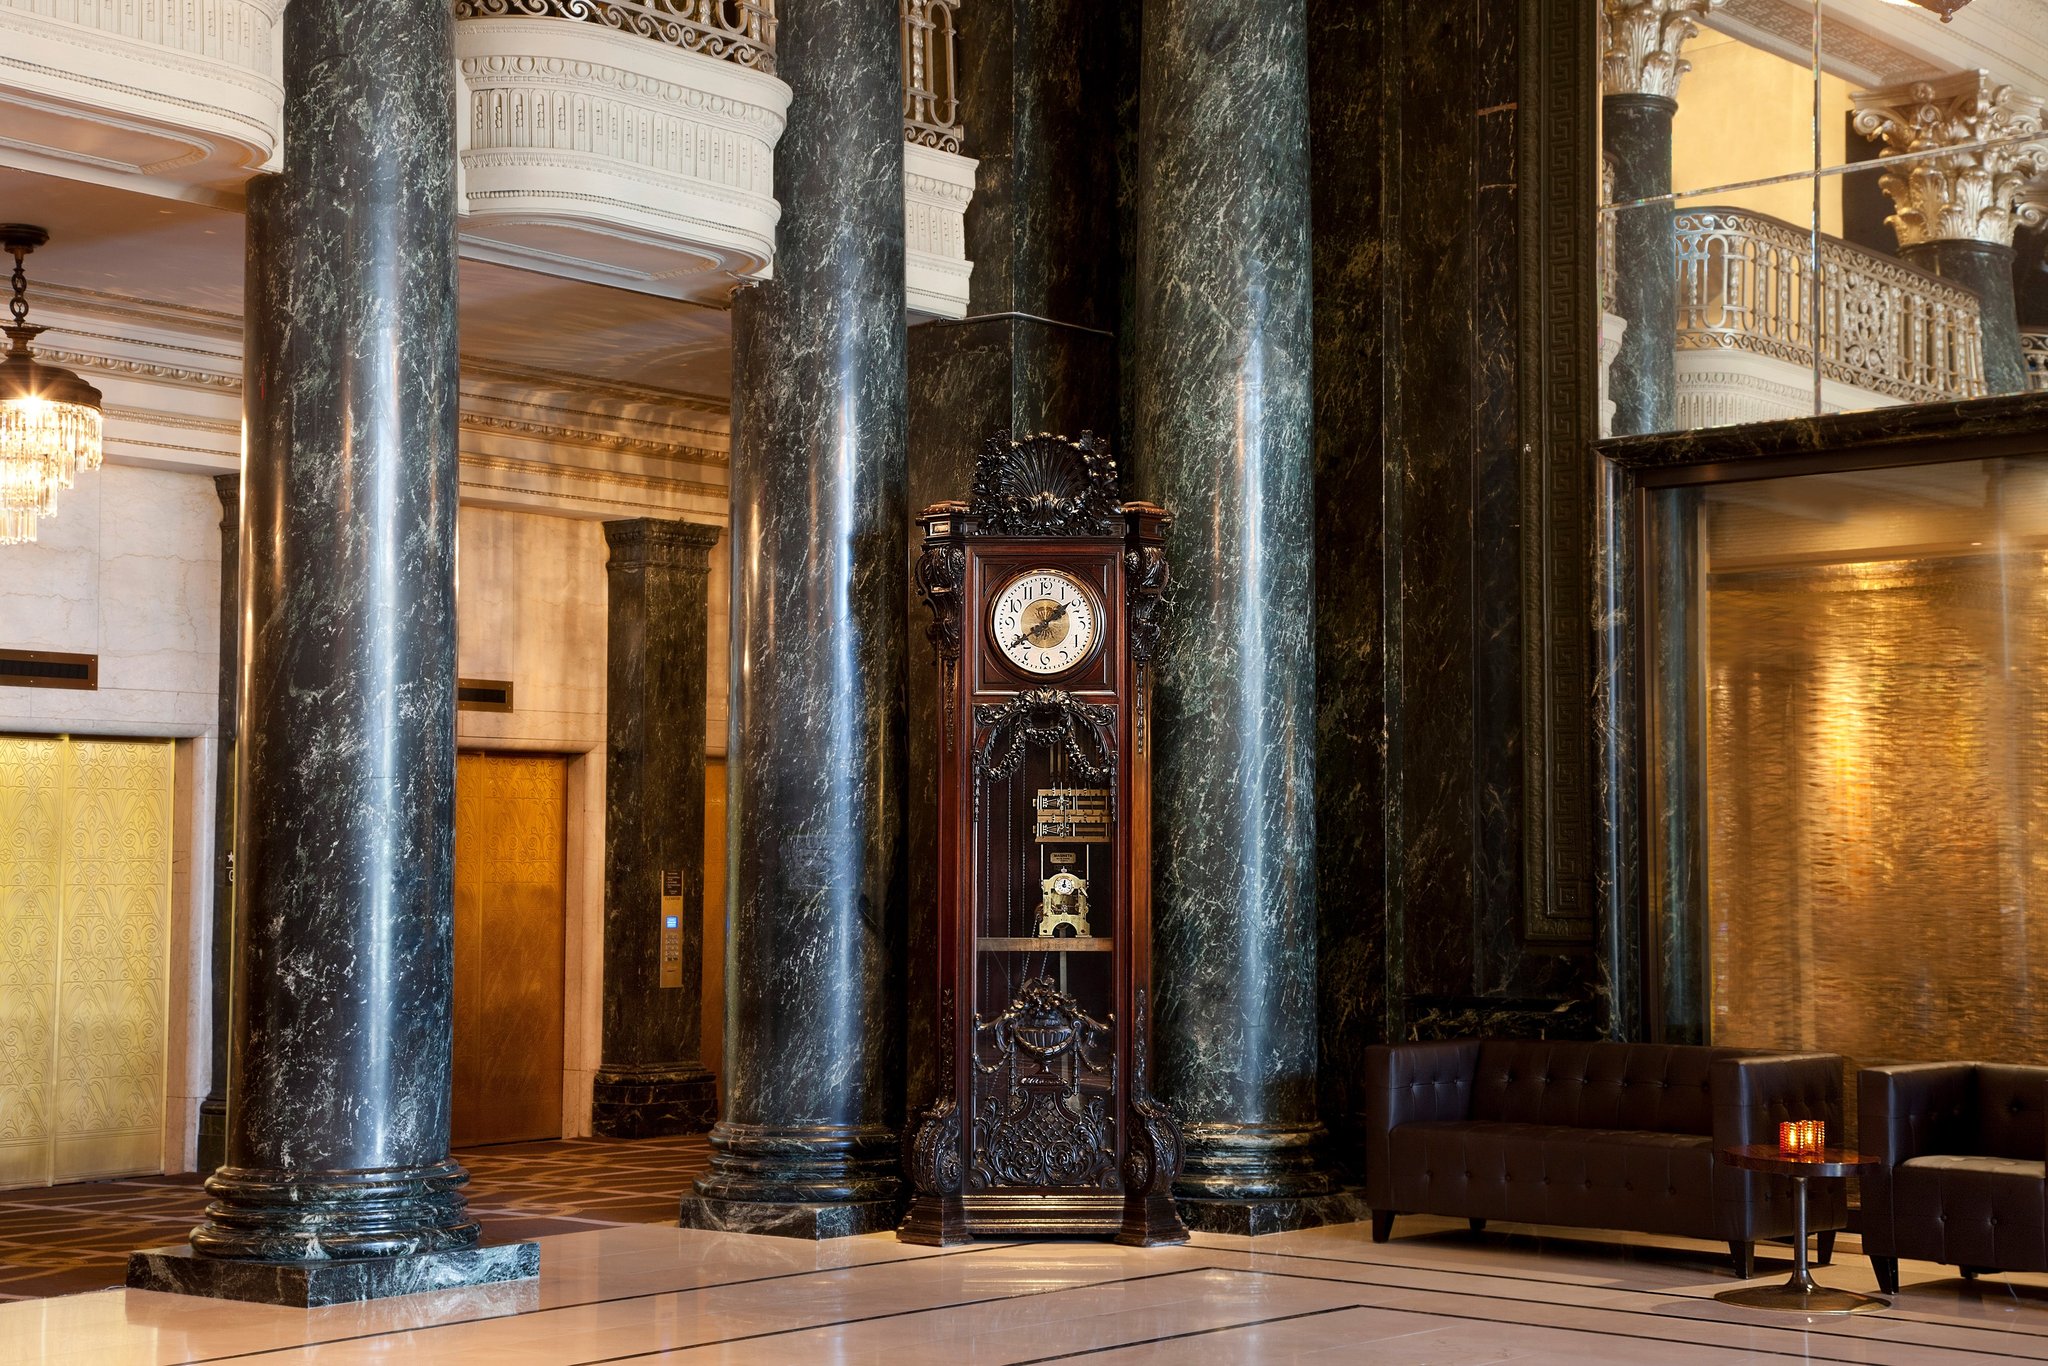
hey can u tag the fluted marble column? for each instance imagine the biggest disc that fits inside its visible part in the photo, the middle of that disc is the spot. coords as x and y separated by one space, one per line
653 1079
1223 440
338 1183
1956 209
213 1110
1639 71
806 1145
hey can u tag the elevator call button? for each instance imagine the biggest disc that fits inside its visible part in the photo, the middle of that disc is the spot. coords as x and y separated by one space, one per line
672 927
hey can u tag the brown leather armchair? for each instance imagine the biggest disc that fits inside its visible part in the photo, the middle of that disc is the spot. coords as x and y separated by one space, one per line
1965 1175
1594 1135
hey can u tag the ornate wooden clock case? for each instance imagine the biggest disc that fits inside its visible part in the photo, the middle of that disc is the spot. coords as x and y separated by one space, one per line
1043 592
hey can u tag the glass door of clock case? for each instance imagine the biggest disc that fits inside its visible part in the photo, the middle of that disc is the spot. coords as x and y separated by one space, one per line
1042 1039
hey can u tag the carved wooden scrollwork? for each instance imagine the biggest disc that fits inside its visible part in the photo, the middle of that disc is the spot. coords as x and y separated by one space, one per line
935 1141
1145 576
1046 485
1084 731
1152 1146
1049 1123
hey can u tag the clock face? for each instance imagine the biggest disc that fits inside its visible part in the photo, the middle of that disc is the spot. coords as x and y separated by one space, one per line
1044 621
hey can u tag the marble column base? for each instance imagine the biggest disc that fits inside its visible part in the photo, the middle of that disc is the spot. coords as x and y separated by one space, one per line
1273 1215
778 1220
213 1134
810 1181
178 1270
1259 1178
652 1102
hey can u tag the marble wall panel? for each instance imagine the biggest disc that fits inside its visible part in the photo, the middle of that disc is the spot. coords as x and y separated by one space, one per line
129 570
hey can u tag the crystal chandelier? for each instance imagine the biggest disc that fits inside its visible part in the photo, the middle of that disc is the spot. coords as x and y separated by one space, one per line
49 417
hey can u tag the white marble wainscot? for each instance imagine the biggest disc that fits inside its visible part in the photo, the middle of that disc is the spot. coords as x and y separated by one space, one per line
179 99
605 155
1723 388
128 570
937 188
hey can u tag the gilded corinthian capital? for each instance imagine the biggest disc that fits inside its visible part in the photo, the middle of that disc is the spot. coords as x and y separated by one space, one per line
1970 193
1640 41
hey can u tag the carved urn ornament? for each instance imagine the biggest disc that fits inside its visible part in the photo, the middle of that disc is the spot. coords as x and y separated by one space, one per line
1044 592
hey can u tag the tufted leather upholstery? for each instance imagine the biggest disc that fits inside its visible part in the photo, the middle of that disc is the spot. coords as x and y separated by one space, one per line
1965 1175
1593 1135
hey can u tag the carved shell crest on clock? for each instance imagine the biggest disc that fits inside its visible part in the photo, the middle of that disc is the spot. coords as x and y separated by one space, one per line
1046 485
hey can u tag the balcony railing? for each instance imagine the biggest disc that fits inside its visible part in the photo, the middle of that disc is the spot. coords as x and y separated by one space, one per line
1746 282
741 31
931 103
2034 348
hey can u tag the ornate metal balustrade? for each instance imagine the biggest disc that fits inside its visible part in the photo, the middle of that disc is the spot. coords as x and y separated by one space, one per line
1746 282
931 104
740 31
2034 347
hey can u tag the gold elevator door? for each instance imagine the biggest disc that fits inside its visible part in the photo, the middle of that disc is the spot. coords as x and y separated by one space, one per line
85 898
510 908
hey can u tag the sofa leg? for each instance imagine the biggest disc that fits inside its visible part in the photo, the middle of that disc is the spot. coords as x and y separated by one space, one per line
1824 1249
1970 1273
1744 1257
1382 1225
1478 1225
1887 1269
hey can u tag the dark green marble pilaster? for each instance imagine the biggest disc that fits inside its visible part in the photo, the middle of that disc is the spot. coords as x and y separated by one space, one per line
1987 269
1636 130
652 1079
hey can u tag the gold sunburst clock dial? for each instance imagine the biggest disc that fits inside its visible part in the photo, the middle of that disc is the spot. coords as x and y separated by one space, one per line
1045 621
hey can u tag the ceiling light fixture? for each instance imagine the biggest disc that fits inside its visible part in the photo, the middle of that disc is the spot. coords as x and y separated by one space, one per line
49 418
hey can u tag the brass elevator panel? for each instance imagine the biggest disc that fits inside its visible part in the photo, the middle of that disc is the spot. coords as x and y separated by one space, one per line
85 894
510 908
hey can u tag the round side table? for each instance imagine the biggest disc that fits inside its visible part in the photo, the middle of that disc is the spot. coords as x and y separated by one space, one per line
1801 1294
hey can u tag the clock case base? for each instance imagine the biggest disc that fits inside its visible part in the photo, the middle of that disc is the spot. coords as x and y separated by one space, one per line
947 1221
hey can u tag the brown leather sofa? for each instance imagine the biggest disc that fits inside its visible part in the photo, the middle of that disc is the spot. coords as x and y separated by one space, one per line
1965 1175
1594 1135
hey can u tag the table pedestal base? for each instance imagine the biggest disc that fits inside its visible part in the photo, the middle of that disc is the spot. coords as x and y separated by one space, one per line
1802 1294
1794 1298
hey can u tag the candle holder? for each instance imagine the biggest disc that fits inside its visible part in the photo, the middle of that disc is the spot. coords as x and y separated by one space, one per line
1805 1138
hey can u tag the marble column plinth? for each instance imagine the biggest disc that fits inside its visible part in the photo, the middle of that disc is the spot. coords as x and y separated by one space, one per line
1986 268
213 1110
179 1270
339 1039
813 1092
1224 442
652 1079
1636 131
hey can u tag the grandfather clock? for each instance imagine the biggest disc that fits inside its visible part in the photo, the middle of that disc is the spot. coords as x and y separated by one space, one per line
1044 592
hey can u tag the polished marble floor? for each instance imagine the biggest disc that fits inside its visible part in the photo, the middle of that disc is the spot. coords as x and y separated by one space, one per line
1436 1295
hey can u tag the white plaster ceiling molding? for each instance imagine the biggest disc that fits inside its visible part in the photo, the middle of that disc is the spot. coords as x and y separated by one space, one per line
1640 42
183 100
1971 194
1872 43
603 155
937 188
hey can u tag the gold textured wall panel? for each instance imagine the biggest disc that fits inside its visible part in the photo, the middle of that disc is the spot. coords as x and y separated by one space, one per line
85 827
1876 756
511 838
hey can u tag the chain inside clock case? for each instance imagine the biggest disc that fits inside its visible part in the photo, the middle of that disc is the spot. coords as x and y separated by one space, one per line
1044 590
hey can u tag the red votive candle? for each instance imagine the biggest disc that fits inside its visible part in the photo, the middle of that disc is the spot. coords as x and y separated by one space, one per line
1788 1137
